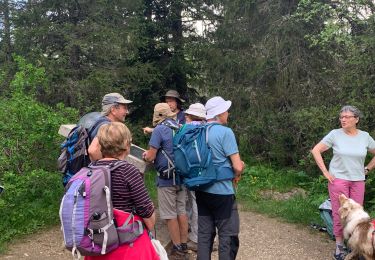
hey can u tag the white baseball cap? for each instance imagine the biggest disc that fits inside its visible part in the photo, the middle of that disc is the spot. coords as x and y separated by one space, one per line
196 109
216 106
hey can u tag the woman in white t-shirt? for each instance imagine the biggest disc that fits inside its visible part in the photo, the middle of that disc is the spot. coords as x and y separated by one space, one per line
346 172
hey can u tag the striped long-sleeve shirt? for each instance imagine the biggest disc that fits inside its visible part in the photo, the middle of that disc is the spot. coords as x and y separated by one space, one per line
129 191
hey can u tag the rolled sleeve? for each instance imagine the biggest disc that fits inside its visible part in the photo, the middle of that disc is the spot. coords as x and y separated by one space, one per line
230 142
328 139
371 143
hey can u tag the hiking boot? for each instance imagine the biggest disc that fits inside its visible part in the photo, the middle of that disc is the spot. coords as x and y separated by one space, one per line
340 256
192 246
178 254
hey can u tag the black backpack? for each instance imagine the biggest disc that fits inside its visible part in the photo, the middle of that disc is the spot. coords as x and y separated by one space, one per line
74 150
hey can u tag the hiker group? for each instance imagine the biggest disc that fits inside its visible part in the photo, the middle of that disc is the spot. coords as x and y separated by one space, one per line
198 166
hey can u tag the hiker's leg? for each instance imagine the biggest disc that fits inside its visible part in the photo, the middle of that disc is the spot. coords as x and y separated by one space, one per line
174 231
228 230
181 214
357 191
335 189
193 236
168 211
206 227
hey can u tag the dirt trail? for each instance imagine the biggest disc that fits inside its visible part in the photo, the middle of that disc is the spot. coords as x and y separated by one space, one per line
261 238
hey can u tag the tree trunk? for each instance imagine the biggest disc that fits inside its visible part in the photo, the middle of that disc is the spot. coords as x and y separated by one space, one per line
179 75
7 46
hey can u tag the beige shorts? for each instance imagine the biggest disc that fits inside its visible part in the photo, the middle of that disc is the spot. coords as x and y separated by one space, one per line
172 201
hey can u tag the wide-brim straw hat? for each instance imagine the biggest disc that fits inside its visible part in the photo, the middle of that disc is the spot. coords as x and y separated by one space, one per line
162 111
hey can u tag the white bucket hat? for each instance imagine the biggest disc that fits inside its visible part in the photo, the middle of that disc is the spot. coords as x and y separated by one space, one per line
196 109
216 106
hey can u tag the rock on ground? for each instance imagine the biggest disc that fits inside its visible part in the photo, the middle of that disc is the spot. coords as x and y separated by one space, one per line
261 238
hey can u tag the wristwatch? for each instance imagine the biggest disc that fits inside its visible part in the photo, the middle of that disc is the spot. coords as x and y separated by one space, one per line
366 170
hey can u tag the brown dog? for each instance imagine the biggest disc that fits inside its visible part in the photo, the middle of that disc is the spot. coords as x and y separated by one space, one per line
358 229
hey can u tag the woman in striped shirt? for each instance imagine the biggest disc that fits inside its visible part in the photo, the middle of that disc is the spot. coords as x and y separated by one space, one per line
129 193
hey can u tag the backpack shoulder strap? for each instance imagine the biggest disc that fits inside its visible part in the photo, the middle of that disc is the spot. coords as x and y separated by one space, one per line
170 123
97 124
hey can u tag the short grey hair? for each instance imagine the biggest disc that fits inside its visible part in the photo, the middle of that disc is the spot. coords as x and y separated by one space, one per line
106 109
356 112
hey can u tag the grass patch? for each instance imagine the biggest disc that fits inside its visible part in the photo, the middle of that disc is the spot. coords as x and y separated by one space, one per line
150 181
299 208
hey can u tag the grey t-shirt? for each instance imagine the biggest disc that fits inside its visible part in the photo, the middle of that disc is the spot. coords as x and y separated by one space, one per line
349 153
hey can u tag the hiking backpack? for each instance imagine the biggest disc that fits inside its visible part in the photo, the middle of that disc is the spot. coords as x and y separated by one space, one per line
325 210
74 150
193 158
86 214
168 173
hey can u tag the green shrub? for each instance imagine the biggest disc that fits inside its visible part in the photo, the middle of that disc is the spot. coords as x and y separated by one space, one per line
28 129
29 202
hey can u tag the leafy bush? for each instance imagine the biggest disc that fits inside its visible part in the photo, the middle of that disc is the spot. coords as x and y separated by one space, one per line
28 129
28 203
29 148
286 138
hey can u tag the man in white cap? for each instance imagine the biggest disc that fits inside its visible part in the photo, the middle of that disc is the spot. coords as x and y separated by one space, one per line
114 109
217 207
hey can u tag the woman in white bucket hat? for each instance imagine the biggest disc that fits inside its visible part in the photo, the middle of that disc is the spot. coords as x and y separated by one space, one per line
196 111
195 115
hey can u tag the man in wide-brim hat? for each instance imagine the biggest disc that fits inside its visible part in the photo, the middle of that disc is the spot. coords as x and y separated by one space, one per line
174 100
171 194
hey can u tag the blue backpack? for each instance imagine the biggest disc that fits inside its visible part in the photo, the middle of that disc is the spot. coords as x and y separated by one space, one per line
193 158
325 210
74 150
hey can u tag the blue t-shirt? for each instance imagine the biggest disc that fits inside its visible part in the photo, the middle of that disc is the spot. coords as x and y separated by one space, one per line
181 117
223 144
349 153
162 138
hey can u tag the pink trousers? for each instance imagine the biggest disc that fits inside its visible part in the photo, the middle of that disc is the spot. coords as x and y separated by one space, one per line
351 189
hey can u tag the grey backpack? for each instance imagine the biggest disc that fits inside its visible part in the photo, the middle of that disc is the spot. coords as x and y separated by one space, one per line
86 214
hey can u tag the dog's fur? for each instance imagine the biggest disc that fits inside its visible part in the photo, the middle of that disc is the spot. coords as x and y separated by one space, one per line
358 229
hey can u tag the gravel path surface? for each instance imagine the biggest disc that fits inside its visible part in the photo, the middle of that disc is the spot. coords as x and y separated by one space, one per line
261 238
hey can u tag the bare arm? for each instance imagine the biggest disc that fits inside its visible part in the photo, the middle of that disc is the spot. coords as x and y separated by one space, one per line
150 222
238 167
237 164
371 164
147 130
94 150
150 154
317 154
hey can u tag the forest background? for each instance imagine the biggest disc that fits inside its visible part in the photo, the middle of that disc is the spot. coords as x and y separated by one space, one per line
287 65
